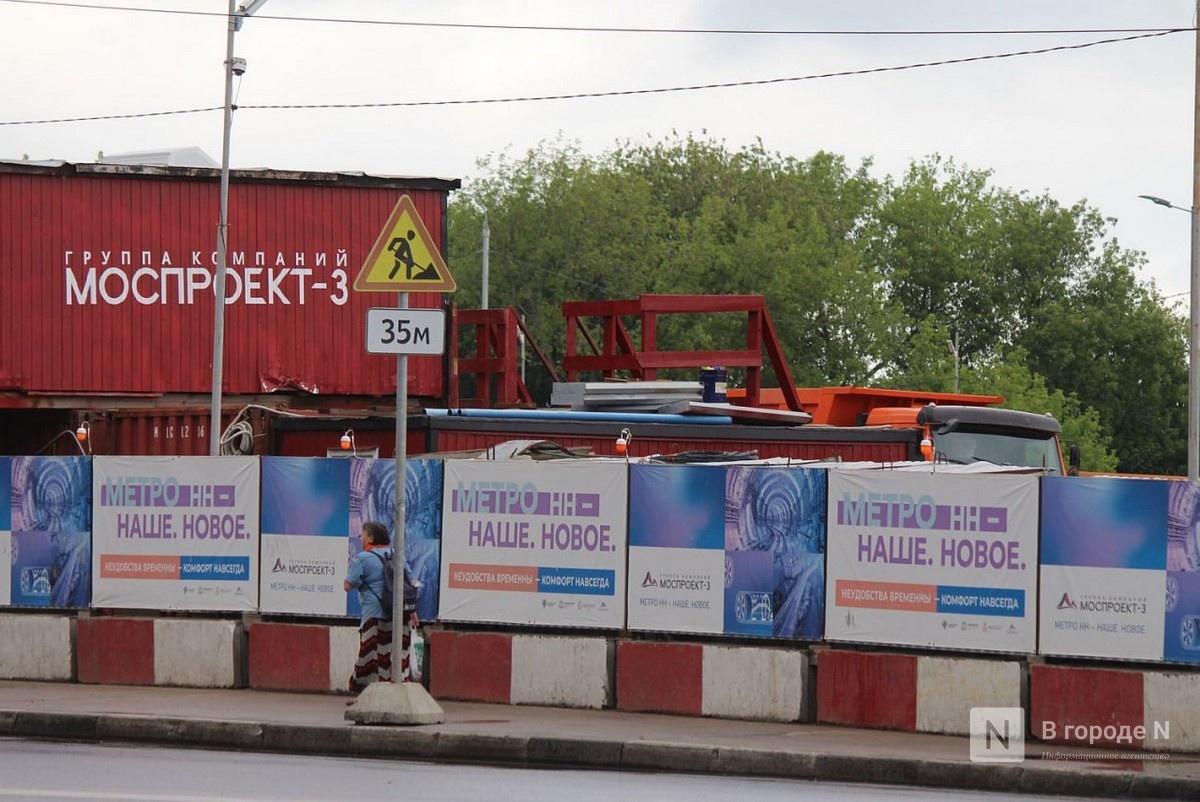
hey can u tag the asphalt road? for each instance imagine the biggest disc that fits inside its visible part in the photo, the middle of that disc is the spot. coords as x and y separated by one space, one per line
45 771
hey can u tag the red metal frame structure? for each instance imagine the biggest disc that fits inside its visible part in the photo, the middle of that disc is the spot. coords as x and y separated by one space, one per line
496 364
617 352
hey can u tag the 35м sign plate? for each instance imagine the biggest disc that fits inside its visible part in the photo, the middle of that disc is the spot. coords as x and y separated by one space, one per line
406 331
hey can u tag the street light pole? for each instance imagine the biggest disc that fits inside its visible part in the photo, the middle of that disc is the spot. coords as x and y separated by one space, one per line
1193 411
1193 403
218 356
487 248
236 17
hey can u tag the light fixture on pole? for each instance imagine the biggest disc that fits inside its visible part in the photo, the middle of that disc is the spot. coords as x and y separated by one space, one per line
1164 202
233 66
1193 403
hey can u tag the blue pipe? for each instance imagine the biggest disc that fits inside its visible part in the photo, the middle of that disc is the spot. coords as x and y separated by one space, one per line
579 415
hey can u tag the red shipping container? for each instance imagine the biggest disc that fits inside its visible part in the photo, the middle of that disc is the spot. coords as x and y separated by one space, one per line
108 273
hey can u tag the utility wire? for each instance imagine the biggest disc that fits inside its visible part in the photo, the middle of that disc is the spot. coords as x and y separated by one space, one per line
591 29
131 116
722 85
612 93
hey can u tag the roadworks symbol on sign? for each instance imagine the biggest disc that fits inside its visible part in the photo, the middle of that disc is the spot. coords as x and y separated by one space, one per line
404 258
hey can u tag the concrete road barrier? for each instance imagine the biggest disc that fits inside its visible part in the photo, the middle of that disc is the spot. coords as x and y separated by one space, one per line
744 682
301 657
883 690
470 666
116 651
548 670
1079 705
197 653
37 646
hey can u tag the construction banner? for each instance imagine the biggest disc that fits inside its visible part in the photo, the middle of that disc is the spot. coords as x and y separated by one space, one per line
734 550
1104 567
538 543
45 531
931 559
313 509
176 533
1181 627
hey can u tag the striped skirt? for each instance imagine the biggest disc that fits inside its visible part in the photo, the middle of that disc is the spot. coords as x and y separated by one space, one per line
374 662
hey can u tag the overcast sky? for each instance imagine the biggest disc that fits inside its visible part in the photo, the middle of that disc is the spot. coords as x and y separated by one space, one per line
1102 124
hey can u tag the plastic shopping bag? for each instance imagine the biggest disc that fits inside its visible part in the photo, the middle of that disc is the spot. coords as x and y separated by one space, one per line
416 655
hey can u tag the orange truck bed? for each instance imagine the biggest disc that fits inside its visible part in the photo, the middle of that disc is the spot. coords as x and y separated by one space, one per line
849 406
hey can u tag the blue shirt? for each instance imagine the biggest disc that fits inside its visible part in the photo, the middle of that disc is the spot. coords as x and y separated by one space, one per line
366 574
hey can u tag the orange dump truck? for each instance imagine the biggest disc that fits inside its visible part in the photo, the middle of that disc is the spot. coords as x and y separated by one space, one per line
953 427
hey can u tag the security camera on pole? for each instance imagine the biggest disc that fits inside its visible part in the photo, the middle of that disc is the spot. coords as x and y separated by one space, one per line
404 258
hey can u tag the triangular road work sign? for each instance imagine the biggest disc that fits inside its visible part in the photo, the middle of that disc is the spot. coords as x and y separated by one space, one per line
404 258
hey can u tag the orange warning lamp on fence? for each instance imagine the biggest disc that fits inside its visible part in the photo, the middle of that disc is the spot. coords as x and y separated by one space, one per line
623 443
927 449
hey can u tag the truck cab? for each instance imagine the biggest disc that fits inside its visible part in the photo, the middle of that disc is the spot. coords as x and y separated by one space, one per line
966 434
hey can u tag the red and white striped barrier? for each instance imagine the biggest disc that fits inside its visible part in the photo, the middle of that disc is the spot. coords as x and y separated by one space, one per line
36 646
549 670
301 657
1153 710
165 651
742 682
882 690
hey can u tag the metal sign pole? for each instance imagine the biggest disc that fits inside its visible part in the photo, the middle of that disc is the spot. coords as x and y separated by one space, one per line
402 258
398 521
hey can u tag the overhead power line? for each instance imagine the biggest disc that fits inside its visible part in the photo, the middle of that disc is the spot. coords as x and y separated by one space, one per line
593 29
720 85
611 93
100 117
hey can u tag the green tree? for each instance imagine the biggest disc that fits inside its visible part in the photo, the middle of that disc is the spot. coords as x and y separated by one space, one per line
931 367
864 277
1021 273
685 216
1023 389
1113 342
985 259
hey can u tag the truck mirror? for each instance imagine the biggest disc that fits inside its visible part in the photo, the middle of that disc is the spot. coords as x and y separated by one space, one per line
1074 460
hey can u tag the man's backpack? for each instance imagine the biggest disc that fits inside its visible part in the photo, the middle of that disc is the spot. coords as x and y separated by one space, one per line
389 586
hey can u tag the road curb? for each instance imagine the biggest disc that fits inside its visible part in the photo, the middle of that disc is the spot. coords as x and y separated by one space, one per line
1052 782
1003 777
765 763
466 747
575 752
1142 787
477 748
380 741
215 732
307 740
669 757
56 725
866 769
137 728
